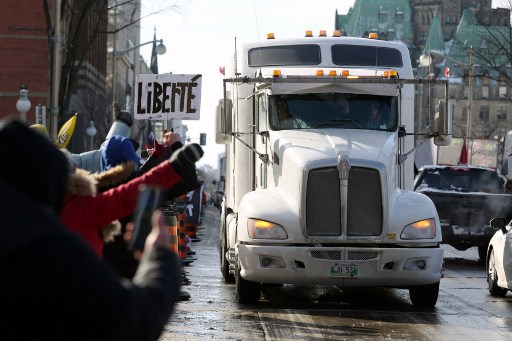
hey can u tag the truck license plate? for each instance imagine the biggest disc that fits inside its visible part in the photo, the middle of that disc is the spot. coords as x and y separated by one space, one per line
345 270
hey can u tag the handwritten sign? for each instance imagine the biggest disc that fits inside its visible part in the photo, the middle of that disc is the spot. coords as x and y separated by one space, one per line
167 96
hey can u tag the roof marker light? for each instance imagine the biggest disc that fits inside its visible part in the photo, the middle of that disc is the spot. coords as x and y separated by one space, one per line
332 73
323 33
385 74
344 73
336 33
393 74
309 33
270 36
372 35
276 73
319 73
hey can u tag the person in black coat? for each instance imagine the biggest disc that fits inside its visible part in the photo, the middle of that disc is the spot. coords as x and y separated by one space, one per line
53 286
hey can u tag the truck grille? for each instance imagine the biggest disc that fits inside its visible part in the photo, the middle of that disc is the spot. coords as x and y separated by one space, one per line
323 203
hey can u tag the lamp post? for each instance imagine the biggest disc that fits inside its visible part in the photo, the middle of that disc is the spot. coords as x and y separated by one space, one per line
91 132
23 104
160 49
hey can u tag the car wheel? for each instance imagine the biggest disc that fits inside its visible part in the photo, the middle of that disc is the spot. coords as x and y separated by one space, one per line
492 277
424 296
246 292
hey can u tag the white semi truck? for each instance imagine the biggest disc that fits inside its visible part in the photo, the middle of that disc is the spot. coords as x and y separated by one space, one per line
316 194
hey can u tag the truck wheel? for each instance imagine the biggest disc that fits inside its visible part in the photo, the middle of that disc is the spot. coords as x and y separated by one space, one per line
224 264
246 292
492 278
482 253
424 296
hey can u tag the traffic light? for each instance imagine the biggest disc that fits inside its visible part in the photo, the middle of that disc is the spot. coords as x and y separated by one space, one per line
202 139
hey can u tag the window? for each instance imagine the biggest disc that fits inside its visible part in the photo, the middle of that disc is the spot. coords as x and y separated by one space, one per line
285 55
485 91
502 114
503 92
399 17
484 113
383 17
360 55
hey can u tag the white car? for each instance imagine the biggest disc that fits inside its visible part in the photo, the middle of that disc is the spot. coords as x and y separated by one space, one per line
499 258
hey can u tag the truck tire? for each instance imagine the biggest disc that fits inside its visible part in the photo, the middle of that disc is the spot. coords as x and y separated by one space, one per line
424 296
492 277
224 264
246 292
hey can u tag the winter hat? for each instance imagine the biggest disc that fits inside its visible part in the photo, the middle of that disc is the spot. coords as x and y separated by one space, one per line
41 129
41 169
118 149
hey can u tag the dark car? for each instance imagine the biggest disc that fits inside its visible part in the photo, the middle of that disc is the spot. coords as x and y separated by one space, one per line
466 198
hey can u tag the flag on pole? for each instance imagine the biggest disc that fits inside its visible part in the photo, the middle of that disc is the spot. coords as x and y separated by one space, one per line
463 154
447 71
66 132
153 66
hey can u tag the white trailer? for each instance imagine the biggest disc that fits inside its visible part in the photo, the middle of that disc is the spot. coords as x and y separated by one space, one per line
317 197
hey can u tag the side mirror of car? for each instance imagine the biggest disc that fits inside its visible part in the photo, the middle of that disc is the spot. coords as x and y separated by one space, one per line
499 223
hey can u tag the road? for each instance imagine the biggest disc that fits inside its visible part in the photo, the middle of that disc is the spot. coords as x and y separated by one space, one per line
465 310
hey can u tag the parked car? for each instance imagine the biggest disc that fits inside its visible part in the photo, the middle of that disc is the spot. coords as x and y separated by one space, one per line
466 199
499 259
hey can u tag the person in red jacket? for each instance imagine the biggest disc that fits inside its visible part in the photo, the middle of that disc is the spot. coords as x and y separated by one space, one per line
87 214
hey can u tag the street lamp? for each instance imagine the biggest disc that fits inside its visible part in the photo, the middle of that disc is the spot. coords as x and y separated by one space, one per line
160 49
91 132
23 104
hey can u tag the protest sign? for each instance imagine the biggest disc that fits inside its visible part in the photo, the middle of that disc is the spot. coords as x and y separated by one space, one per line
167 96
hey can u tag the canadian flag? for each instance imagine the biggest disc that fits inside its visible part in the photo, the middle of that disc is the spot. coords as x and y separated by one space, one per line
447 71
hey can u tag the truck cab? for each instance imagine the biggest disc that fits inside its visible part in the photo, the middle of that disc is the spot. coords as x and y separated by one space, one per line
318 131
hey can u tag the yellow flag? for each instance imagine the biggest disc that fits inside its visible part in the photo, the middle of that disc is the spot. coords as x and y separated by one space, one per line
65 132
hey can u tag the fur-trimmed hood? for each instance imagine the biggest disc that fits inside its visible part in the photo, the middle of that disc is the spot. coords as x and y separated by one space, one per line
114 176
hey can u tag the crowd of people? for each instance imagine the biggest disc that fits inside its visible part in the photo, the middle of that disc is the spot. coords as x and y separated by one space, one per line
66 219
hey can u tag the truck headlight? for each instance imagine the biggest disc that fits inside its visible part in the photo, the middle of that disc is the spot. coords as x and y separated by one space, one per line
423 229
261 229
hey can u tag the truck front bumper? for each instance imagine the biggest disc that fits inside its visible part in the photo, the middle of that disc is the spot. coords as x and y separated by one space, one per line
390 267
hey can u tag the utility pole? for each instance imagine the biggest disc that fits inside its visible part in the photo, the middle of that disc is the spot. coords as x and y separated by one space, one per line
56 70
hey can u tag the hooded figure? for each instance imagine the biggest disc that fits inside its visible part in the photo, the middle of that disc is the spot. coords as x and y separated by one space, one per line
52 275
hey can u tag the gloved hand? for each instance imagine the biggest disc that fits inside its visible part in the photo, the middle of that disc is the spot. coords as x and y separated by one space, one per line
158 149
186 157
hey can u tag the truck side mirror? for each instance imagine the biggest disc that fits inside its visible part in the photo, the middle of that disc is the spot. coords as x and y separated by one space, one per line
223 122
442 125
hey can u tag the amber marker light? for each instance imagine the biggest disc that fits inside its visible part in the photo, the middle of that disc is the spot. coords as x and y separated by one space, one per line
319 73
309 33
336 33
323 33
332 73
393 74
270 36
345 73
276 73
372 35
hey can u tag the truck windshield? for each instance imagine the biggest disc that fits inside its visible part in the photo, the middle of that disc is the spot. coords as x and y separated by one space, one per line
333 110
